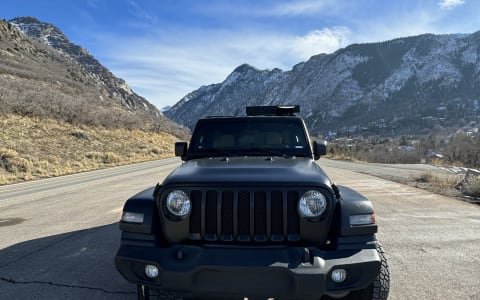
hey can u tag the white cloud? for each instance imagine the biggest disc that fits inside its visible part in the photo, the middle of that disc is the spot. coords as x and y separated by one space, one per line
167 65
403 23
449 4
302 7
326 40
165 73
167 69
137 11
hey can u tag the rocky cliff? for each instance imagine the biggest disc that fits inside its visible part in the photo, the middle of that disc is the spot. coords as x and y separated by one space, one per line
408 85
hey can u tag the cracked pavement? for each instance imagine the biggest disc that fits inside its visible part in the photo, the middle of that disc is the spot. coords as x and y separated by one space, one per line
76 265
58 237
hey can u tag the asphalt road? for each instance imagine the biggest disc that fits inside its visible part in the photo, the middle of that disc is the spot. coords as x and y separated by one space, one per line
58 236
432 242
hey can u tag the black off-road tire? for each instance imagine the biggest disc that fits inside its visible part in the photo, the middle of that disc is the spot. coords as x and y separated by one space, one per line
379 288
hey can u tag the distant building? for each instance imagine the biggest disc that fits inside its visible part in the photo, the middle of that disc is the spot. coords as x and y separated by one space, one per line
406 148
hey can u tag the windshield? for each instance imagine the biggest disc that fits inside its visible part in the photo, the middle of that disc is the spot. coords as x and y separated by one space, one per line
249 137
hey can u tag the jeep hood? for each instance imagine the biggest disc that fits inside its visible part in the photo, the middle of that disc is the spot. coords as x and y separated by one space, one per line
249 171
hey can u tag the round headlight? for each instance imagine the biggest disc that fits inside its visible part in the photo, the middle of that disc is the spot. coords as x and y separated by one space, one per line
312 204
178 203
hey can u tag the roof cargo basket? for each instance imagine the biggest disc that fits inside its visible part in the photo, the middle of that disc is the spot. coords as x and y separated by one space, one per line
284 110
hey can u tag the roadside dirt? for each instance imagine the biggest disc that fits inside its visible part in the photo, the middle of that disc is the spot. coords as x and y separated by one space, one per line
434 179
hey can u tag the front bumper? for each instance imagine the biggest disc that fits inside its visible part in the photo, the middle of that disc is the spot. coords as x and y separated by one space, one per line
284 272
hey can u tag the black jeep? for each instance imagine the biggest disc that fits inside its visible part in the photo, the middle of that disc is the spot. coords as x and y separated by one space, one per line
250 214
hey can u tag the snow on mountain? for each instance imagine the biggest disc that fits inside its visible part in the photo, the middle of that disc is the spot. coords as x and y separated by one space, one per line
398 84
115 87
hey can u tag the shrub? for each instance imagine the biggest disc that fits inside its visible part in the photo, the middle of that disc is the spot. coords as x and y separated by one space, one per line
111 158
97 156
6 153
42 167
426 177
80 134
471 187
20 164
13 163
156 150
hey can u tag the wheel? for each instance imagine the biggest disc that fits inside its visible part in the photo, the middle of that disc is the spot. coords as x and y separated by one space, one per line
379 288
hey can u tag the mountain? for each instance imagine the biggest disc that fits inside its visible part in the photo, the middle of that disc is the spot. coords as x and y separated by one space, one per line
411 85
44 74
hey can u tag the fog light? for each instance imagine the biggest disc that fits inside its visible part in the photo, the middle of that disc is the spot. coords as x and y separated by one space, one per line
151 271
339 275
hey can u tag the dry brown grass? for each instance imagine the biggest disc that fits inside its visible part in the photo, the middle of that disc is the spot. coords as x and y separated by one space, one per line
442 184
34 148
38 81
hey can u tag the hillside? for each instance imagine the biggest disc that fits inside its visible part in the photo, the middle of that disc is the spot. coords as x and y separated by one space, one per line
412 85
62 112
43 74
34 148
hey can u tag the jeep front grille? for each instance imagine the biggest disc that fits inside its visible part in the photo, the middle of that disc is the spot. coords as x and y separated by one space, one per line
244 216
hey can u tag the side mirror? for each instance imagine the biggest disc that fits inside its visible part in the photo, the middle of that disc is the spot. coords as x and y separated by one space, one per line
319 149
181 149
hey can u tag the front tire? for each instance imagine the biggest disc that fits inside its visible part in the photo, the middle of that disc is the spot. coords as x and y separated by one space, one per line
380 287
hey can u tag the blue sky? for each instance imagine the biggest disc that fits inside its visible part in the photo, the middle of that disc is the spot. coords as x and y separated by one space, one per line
165 49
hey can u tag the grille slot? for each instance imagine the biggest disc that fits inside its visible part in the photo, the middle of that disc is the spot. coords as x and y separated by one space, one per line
244 216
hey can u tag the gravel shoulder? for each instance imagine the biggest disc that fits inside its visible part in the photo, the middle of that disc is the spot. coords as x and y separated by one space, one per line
434 179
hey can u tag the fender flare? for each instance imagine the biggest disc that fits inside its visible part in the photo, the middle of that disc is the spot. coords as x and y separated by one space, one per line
353 203
144 203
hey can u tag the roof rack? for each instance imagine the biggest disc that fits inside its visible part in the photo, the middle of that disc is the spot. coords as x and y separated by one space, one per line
283 110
